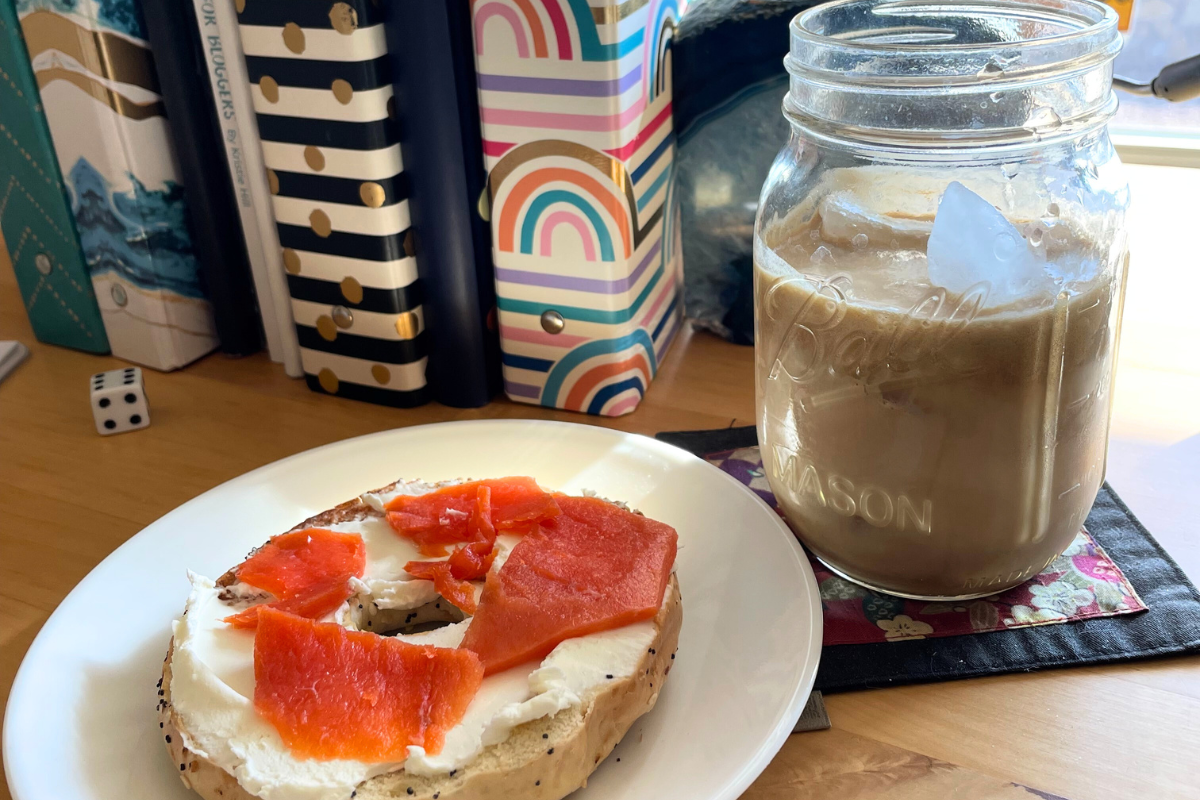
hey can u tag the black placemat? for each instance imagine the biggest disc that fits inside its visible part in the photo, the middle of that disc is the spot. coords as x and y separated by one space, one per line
1171 625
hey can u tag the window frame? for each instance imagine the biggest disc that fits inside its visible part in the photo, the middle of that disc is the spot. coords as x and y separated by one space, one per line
1172 149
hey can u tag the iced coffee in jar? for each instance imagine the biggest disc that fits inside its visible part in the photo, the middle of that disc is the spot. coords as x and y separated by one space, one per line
940 257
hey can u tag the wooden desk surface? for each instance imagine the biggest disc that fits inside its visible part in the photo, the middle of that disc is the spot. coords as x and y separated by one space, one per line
69 497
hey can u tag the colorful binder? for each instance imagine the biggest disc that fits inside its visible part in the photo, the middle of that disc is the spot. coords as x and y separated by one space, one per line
323 98
576 108
99 90
35 211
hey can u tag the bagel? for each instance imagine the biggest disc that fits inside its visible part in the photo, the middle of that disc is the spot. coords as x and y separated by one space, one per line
552 720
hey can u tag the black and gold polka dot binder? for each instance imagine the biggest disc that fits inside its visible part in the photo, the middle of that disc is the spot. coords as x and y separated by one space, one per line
326 115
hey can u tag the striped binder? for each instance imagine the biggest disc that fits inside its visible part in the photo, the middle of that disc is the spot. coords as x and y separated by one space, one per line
575 101
326 116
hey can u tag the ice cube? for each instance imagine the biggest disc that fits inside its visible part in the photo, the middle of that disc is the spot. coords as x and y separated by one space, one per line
973 243
881 216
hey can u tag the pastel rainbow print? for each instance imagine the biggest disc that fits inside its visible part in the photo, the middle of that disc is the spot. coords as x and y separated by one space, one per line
603 376
575 104
540 190
580 31
566 217
663 15
524 23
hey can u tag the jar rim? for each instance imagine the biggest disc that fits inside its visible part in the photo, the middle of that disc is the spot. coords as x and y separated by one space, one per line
1101 19
937 73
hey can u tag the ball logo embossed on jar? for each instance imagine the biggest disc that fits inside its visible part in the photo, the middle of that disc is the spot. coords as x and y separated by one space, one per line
814 344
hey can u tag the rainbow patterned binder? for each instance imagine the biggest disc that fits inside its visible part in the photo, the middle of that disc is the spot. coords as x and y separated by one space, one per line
575 102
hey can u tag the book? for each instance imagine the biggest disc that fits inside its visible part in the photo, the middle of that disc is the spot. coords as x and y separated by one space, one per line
429 45
220 246
322 94
575 103
99 90
35 210
221 42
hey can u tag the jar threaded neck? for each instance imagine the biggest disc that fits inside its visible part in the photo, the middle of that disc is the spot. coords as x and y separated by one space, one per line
918 74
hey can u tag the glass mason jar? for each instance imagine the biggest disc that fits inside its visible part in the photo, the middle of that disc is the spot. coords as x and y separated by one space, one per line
940 256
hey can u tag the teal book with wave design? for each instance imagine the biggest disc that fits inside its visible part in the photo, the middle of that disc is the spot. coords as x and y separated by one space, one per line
35 211
100 93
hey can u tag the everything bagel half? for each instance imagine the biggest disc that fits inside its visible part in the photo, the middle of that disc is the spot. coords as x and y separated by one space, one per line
528 630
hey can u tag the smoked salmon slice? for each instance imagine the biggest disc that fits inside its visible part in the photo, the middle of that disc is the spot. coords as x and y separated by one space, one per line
472 561
594 567
444 516
294 561
312 603
333 693
469 562
458 592
308 571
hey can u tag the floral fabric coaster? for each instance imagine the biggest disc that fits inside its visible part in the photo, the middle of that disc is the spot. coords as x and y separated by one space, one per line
1082 583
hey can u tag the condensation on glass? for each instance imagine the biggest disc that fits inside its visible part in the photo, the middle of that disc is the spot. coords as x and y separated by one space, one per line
940 256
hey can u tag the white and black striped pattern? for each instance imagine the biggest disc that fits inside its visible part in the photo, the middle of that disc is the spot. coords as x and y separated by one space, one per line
322 93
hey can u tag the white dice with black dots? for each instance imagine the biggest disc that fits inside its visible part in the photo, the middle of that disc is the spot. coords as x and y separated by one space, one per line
119 401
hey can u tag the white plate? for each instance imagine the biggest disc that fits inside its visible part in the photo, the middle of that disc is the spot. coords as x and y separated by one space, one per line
81 720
